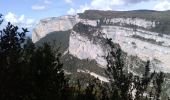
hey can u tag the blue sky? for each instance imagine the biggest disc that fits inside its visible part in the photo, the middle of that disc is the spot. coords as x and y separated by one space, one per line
26 13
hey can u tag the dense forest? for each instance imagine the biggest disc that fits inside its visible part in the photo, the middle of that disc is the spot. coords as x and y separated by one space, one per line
29 72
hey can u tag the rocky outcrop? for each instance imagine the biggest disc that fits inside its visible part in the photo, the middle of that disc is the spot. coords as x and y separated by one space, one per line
144 44
53 24
84 48
65 23
132 21
135 39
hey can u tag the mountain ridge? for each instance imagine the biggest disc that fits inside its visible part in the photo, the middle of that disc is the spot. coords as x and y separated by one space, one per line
129 32
84 44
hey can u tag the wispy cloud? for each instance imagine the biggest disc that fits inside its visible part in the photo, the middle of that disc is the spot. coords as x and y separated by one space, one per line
96 4
42 5
69 1
71 11
38 7
136 1
81 9
105 4
112 4
162 5
47 2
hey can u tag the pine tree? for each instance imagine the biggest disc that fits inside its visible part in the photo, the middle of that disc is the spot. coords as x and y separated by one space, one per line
28 72
11 63
124 84
47 74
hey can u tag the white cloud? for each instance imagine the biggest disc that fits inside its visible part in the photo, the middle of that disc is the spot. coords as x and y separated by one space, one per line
136 1
68 1
21 21
162 5
47 2
96 4
42 5
110 4
71 11
10 17
81 9
105 4
38 7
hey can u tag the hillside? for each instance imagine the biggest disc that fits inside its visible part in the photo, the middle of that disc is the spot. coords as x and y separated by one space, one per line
142 35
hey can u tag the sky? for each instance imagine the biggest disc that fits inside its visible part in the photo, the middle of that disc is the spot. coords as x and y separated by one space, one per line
27 13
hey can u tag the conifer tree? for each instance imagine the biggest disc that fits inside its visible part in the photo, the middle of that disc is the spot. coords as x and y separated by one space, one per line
28 72
126 86
12 74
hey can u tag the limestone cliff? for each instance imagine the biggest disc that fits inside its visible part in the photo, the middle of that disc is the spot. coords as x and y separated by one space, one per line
140 34
53 24
135 36
85 47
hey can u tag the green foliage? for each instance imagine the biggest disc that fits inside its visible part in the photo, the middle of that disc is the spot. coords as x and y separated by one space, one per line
11 69
125 85
56 39
28 72
1 20
121 82
82 28
85 30
47 73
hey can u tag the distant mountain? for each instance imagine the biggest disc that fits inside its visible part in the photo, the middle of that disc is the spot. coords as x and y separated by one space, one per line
142 34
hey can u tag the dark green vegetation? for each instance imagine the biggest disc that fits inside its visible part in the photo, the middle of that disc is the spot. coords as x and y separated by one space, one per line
29 72
124 83
82 28
26 72
57 39
89 31
70 63
161 17
144 14
148 40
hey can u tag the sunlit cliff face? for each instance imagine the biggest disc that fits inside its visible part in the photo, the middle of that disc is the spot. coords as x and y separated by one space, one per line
136 41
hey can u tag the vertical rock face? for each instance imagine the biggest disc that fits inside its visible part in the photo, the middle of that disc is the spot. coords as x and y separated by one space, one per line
83 48
144 44
132 34
132 21
141 38
53 24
